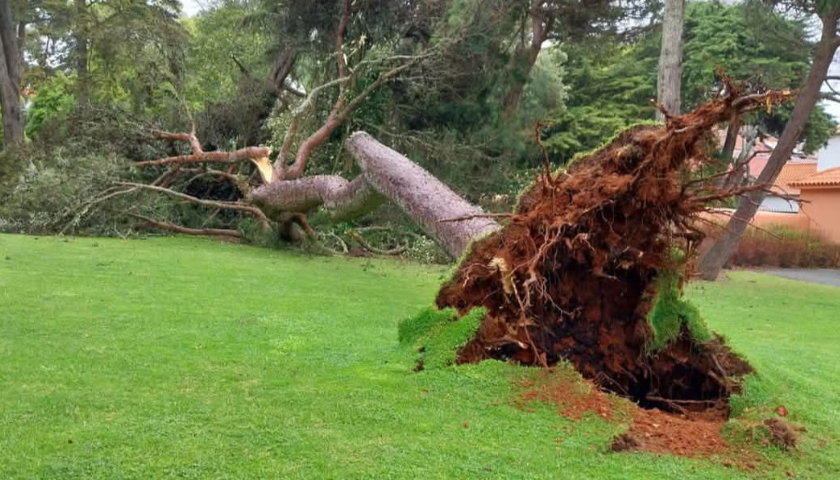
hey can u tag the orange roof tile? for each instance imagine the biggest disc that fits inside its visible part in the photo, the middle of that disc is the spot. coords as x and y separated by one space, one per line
791 172
830 177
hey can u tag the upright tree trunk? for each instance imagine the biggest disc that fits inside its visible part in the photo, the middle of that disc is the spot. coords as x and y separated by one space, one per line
670 58
81 38
10 76
524 60
740 171
282 67
717 256
732 131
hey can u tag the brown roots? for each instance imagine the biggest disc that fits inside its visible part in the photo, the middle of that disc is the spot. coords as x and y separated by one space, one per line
573 275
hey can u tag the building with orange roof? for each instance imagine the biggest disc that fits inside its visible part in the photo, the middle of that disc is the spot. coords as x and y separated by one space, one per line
820 196
784 195
805 195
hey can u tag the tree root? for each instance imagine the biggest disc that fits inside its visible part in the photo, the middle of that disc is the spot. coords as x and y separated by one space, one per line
573 274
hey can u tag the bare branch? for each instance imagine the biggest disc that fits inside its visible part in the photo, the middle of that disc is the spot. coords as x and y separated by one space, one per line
242 207
223 233
336 118
189 138
86 207
364 244
241 155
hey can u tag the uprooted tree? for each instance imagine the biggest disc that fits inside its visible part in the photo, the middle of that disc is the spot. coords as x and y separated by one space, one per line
588 268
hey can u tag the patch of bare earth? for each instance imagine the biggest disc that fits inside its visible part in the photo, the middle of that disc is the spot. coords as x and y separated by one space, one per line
692 434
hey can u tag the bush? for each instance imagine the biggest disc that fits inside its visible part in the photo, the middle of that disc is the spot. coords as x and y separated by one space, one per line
783 247
49 184
50 190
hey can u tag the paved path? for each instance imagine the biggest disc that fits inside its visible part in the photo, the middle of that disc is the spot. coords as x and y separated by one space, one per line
817 275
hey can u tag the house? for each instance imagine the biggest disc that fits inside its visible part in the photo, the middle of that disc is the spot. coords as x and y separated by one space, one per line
805 195
820 195
784 195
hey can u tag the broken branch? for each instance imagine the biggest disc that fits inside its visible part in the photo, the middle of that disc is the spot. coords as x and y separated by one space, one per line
242 207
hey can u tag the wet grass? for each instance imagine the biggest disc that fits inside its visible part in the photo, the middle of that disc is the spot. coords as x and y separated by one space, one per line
184 358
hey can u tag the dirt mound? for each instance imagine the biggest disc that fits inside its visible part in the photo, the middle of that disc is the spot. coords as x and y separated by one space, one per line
573 274
573 397
688 434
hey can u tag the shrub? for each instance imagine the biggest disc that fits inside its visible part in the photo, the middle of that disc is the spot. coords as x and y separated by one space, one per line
49 191
783 247
49 184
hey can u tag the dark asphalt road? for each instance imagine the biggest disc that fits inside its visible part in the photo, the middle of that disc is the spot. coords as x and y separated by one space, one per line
822 275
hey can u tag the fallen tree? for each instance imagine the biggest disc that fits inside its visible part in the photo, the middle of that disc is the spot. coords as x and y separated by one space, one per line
588 268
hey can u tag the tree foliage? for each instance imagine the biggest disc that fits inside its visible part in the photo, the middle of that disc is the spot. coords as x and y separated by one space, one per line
448 109
611 85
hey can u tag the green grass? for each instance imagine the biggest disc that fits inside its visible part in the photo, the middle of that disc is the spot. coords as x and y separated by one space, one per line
183 358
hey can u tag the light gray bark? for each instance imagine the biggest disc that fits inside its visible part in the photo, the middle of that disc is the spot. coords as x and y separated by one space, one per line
440 212
81 38
342 199
670 58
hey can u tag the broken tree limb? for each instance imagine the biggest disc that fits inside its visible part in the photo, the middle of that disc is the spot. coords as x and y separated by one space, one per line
241 155
341 198
386 174
240 206
221 233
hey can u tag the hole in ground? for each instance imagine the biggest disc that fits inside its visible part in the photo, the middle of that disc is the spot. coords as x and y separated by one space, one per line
685 376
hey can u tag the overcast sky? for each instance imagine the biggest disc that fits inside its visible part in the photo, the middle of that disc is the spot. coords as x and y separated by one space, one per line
191 7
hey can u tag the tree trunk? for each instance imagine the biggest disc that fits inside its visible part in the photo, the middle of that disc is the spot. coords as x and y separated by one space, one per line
81 38
732 131
524 60
386 174
670 58
10 75
440 212
740 173
717 256
282 67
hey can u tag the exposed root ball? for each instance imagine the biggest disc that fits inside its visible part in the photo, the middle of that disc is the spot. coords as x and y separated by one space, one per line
573 274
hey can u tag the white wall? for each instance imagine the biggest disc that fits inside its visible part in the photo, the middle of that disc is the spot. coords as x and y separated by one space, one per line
776 204
829 156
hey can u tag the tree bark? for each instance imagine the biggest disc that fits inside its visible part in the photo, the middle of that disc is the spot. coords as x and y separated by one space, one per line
10 76
716 257
670 58
732 131
81 38
740 173
440 212
386 174
282 67
342 199
525 59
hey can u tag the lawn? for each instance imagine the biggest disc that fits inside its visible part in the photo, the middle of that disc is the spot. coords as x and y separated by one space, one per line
185 358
